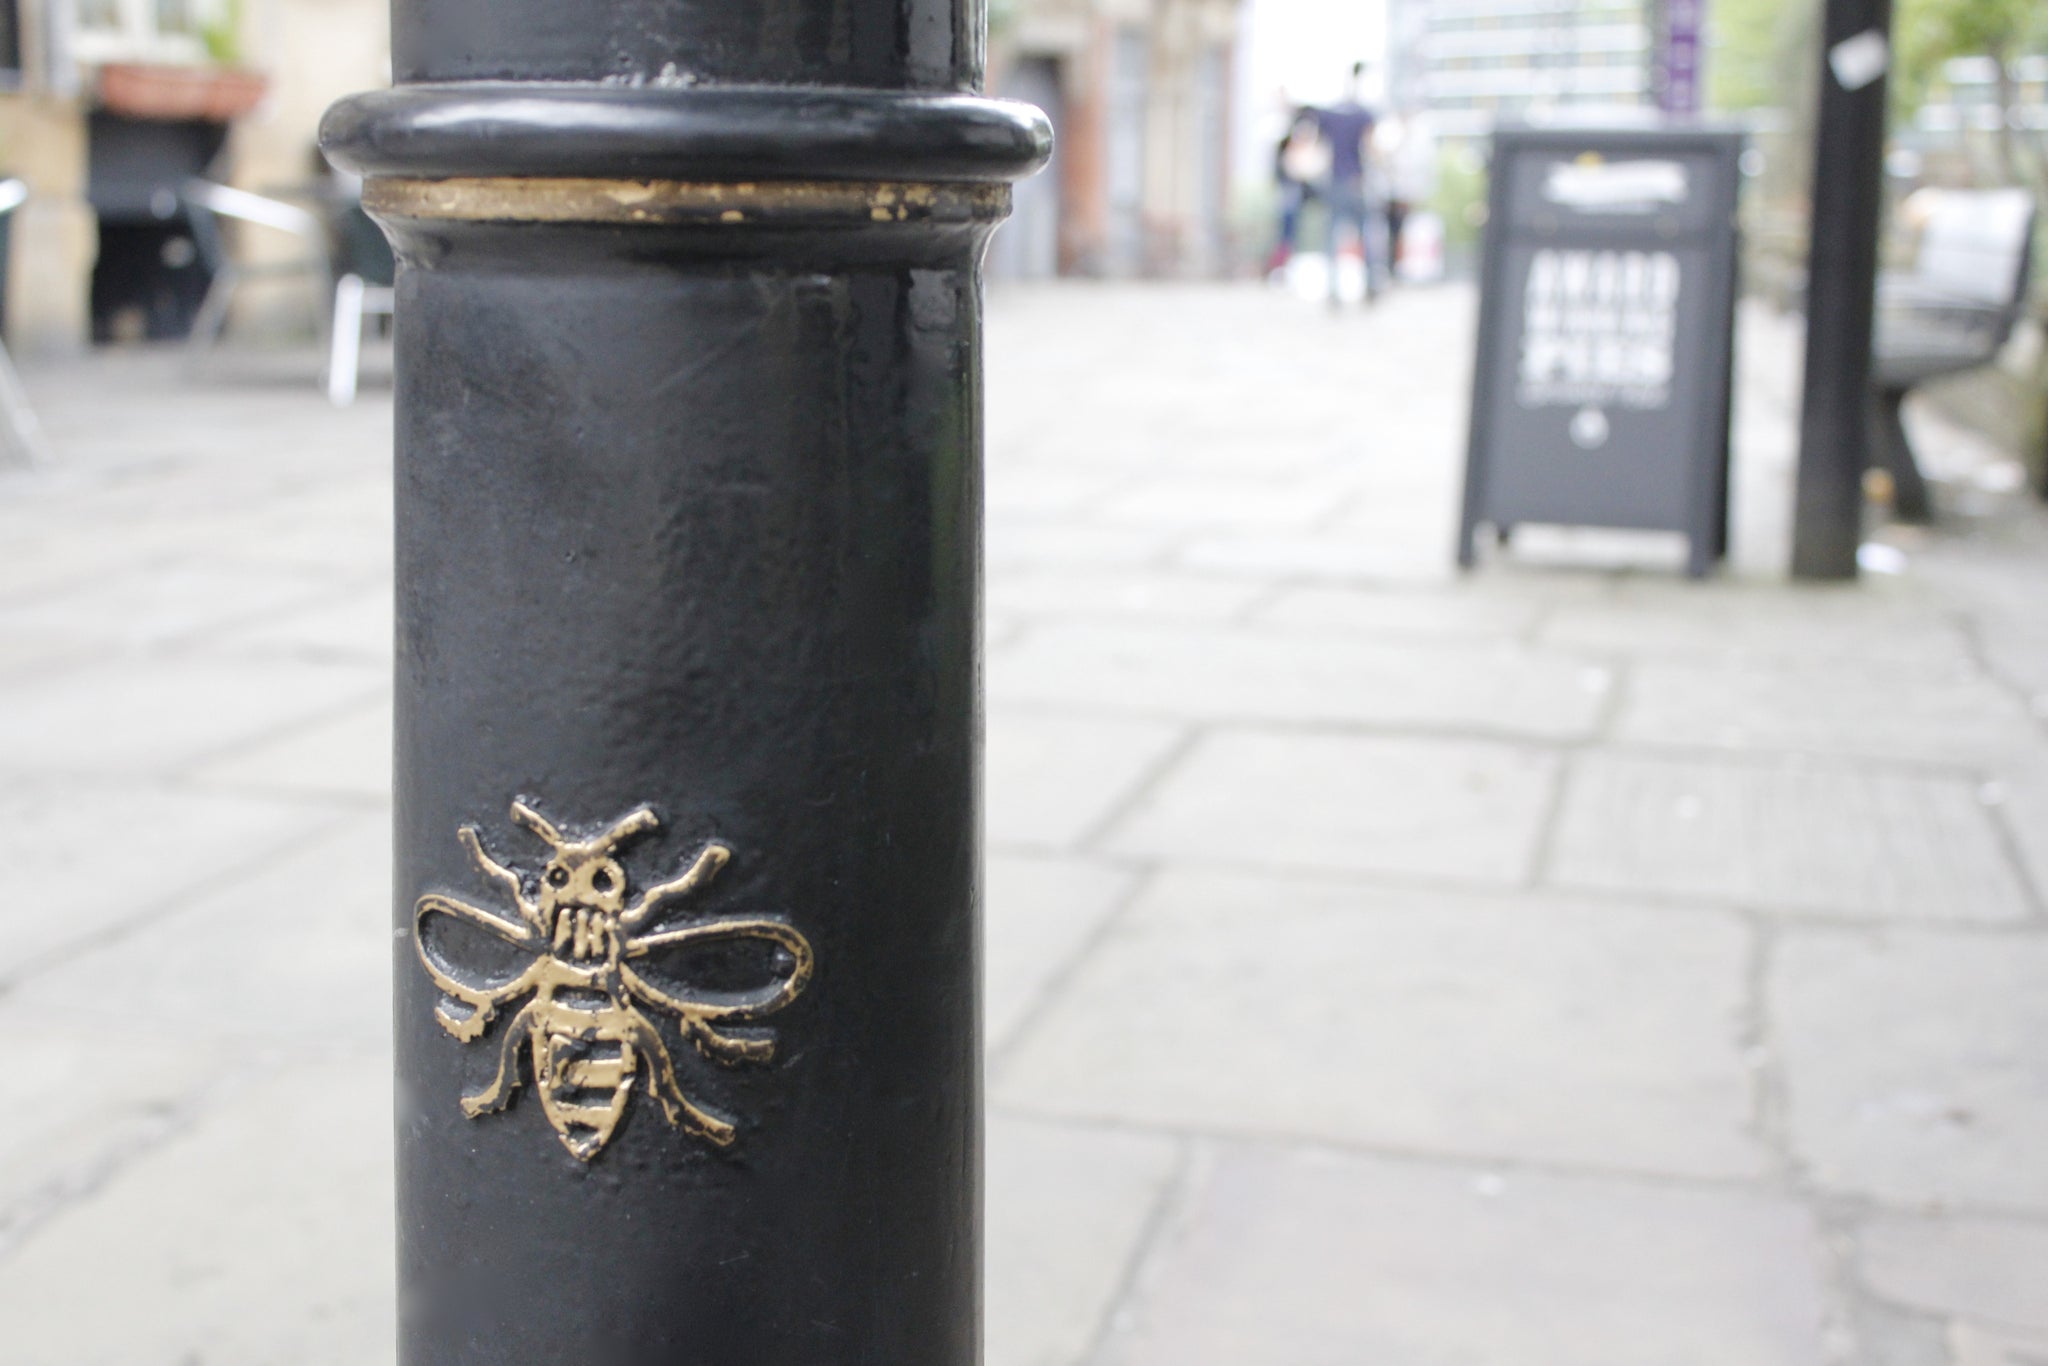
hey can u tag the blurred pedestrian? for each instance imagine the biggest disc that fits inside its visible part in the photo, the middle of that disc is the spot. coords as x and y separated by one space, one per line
1404 148
1347 127
1301 164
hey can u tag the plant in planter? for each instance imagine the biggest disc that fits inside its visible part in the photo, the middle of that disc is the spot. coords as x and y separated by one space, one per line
220 92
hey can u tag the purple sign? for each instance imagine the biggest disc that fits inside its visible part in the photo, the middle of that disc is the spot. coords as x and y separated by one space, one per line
1678 55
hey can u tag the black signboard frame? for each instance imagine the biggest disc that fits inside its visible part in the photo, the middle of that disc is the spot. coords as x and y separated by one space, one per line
1629 430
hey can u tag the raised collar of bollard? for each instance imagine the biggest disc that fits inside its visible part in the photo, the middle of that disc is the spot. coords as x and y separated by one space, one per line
712 156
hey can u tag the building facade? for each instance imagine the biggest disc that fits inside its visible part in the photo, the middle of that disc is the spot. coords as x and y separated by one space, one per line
1139 95
1138 90
107 105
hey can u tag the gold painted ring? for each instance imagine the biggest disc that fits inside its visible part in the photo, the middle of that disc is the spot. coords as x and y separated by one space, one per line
508 199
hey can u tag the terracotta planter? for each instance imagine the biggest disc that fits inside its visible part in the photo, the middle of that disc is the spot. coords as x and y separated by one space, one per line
147 91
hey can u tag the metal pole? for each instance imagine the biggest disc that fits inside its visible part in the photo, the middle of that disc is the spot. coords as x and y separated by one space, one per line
1848 187
688 720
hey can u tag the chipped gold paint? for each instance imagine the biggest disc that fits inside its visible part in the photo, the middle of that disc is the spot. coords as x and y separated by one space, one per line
508 199
583 1027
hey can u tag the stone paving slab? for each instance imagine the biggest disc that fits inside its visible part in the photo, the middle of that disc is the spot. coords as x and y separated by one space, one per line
1238 674
1469 811
254 963
92 1093
2019 796
1134 594
1916 1064
1958 718
1073 545
1418 558
149 844
1175 500
1035 488
1319 1259
1994 1271
1052 779
1446 615
347 754
24 655
357 625
41 561
342 529
1972 1344
1424 1021
1789 835
257 966
2019 653
1067 1210
170 602
1754 623
272 1268
136 716
1041 915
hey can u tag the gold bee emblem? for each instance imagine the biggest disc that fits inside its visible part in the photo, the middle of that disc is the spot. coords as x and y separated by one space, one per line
582 1026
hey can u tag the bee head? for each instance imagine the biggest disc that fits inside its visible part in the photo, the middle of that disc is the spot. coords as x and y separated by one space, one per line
584 874
580 875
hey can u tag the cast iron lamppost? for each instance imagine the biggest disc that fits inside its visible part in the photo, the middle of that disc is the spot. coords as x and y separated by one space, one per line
688 672
1848 197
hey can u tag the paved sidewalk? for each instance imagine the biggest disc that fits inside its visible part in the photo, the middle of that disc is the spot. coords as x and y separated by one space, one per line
1564 966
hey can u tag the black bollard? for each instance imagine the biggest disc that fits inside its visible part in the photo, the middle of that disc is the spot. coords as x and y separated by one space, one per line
688 715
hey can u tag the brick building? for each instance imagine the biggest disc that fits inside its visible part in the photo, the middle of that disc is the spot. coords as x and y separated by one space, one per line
1139 93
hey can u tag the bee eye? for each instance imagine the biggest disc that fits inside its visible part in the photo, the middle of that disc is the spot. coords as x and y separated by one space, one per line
601 880
558 877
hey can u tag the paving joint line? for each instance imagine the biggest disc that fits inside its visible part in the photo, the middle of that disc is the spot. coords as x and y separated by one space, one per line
1765 1183
156 912
1639 748
188 768
1168 1209
1057 982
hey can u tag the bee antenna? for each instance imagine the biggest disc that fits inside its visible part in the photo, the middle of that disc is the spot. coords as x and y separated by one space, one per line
630 827
537 823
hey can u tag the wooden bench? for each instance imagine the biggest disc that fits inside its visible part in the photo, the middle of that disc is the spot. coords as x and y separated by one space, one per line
1951 312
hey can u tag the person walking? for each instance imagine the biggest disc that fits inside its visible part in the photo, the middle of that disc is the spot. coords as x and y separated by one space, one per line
1301 163
1347 127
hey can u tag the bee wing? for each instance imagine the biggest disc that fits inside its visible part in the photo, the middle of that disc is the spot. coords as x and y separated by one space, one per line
699 1010
482 996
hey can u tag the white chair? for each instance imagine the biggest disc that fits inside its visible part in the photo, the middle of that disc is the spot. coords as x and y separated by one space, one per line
206 204
364 270
1952 312
349 259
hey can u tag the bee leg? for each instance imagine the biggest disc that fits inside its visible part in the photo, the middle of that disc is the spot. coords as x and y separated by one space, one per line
661 1080
498 1094
464 1027
501 875
723 1047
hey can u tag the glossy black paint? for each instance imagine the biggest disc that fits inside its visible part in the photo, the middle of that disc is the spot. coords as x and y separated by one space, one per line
677 533
892 44
706 132
690 516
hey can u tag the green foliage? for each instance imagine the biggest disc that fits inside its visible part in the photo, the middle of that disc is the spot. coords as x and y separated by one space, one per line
222 34
1002 17
1926 34
1747 37
1936 30
1460 198
1760 53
